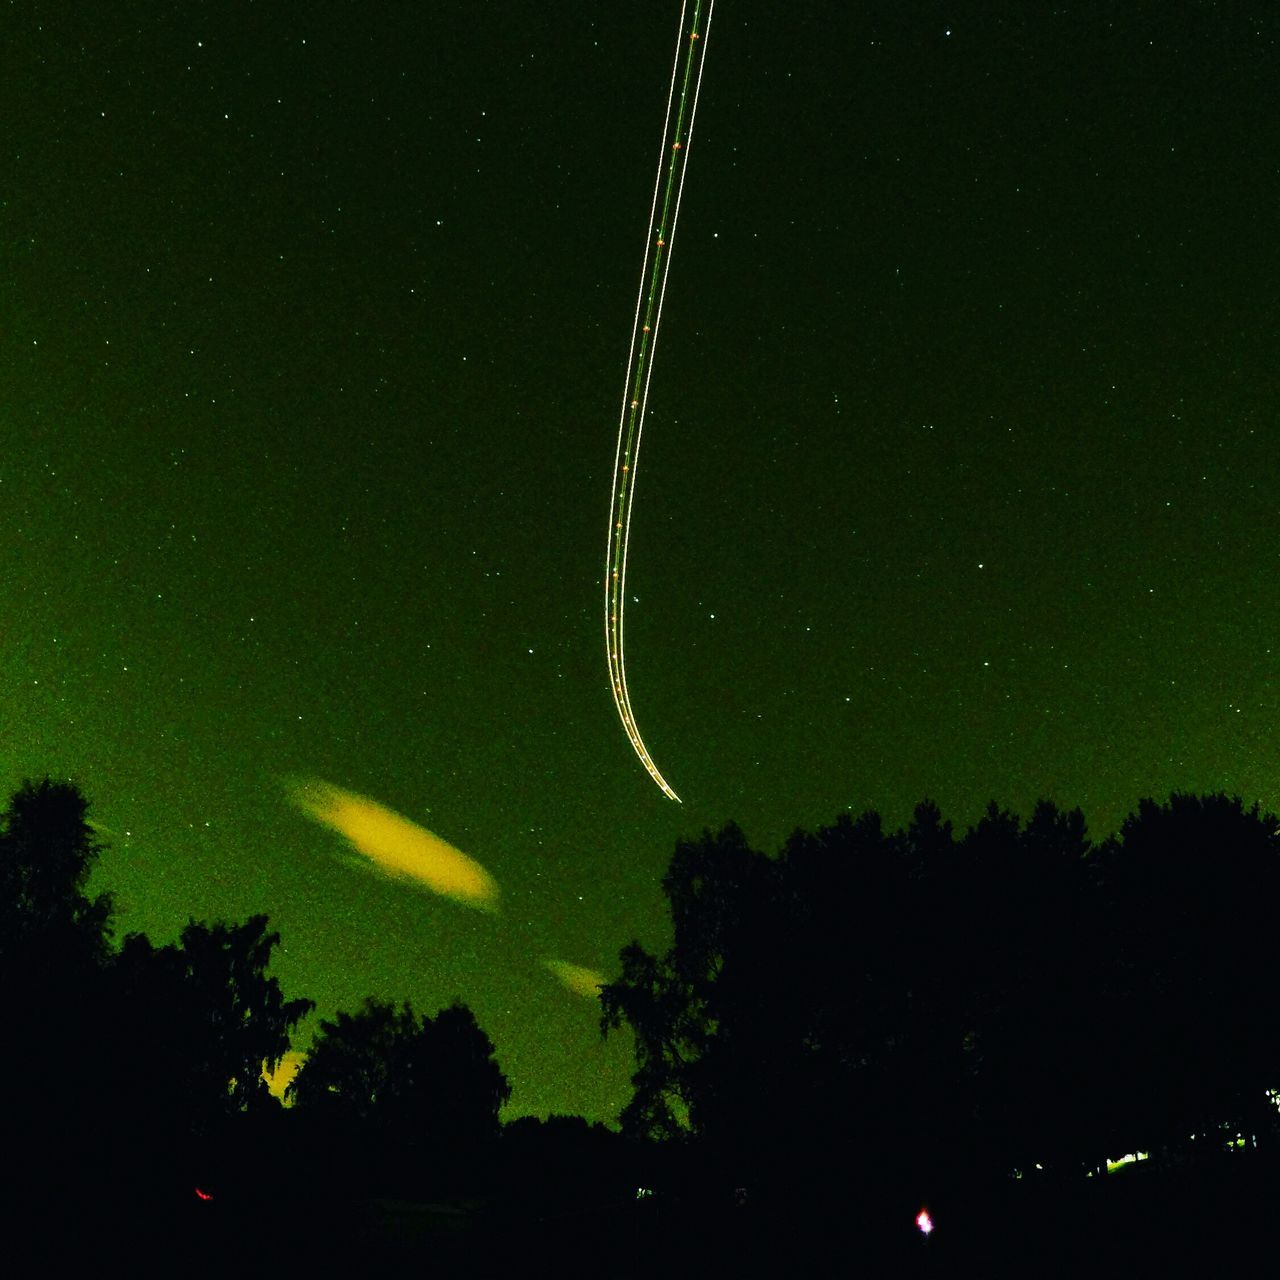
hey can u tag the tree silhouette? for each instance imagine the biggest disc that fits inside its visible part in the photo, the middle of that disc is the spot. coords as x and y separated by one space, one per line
125 1067
867 1015
411 1095
182 1034
673 1004
798 1021
243 1019
1035 986
1189 892
54 942
456 1080
47 852
197 1021
873 1007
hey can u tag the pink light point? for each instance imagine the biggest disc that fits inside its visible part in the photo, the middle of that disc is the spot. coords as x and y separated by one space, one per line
924 1221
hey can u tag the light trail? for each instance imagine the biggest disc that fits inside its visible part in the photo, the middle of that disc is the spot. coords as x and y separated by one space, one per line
673 160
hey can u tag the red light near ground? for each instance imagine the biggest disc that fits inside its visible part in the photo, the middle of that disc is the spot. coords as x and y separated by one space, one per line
204 1195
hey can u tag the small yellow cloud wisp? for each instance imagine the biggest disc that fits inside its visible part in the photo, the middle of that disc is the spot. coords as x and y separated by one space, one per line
582 982
394 845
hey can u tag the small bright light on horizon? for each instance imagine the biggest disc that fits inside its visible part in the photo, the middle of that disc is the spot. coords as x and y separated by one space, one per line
924 1221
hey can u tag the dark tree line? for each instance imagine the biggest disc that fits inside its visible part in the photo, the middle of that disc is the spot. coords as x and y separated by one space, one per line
869 1016
401 1103
881 1009
137 1070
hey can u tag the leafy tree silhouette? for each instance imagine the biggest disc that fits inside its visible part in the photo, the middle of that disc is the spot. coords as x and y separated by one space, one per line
673 1005
199 1019
244 1019
796 1024
887 1012
1189 890
118 1062
47 852
358 1064
1034 981
882 1009
410 1096
54 943
184 1033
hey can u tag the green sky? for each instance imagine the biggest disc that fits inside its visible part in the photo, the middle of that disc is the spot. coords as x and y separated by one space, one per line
959 473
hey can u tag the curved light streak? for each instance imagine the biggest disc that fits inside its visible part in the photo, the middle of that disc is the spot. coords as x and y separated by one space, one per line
673 160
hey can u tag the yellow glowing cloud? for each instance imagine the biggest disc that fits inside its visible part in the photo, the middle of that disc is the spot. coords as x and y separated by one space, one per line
582 982
395 846
280 1079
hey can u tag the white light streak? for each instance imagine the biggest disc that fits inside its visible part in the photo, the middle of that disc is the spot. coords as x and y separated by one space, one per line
659 243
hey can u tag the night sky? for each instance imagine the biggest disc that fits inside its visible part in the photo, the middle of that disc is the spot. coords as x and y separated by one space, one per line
959 474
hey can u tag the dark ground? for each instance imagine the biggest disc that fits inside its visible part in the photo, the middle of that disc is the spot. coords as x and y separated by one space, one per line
1141 1221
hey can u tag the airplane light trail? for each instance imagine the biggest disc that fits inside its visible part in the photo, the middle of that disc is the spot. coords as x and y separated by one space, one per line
673 160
